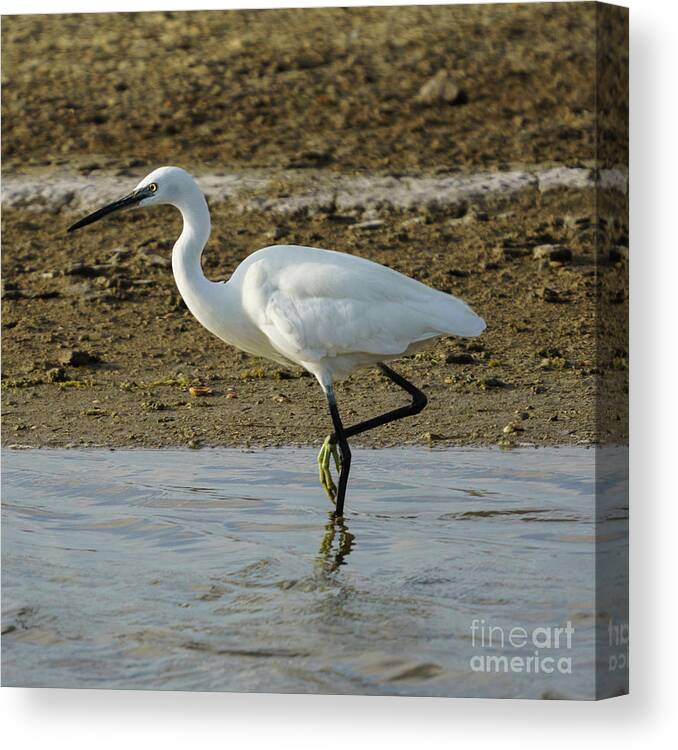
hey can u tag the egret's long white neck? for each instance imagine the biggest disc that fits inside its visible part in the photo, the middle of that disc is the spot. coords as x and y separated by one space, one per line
193 238
216 305
196 290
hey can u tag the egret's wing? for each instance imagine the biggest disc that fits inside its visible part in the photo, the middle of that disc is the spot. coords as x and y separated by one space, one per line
316 327
332 304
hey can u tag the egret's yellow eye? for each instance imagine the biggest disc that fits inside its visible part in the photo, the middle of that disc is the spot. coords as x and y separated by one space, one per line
152 187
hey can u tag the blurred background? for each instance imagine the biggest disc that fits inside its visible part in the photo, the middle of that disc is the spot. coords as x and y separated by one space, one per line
334 87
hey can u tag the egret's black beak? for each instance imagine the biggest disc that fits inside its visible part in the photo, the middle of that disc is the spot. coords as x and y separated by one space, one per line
128 200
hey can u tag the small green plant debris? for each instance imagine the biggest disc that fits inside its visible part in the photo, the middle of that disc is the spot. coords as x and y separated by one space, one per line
96 411
22 382
154 406
254 373
553 363
75 384
428 357
177 381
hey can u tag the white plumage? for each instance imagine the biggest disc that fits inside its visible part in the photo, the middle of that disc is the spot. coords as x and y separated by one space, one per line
328 312
332 313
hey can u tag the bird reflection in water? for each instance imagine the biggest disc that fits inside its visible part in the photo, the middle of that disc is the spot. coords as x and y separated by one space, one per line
336 544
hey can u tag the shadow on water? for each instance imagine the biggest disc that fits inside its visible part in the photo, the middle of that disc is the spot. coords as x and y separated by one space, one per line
223 570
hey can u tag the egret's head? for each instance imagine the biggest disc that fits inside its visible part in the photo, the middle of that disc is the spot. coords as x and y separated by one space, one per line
163 185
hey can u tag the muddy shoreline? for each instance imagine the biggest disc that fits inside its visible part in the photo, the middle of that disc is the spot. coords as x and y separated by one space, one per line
109 297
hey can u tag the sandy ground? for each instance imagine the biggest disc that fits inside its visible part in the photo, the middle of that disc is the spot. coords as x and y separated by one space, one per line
98 348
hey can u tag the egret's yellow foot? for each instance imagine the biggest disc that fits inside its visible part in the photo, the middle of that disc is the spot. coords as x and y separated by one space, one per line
328 449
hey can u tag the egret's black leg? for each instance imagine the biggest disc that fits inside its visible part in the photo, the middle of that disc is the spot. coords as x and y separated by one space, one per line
419 401
341 434
344 450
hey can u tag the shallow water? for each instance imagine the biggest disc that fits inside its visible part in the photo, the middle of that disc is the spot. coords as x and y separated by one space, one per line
221 570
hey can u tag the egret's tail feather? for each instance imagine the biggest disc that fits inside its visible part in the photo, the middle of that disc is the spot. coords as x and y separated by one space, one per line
454 317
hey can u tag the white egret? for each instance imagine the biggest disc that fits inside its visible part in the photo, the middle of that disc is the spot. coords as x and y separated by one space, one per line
325 311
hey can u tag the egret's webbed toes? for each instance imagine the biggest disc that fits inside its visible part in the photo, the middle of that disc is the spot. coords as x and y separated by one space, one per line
328 449
335 454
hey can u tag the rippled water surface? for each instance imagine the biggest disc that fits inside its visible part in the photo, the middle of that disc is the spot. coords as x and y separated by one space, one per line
221 570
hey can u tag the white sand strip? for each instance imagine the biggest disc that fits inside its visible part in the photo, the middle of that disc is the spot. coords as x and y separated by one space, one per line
305 190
